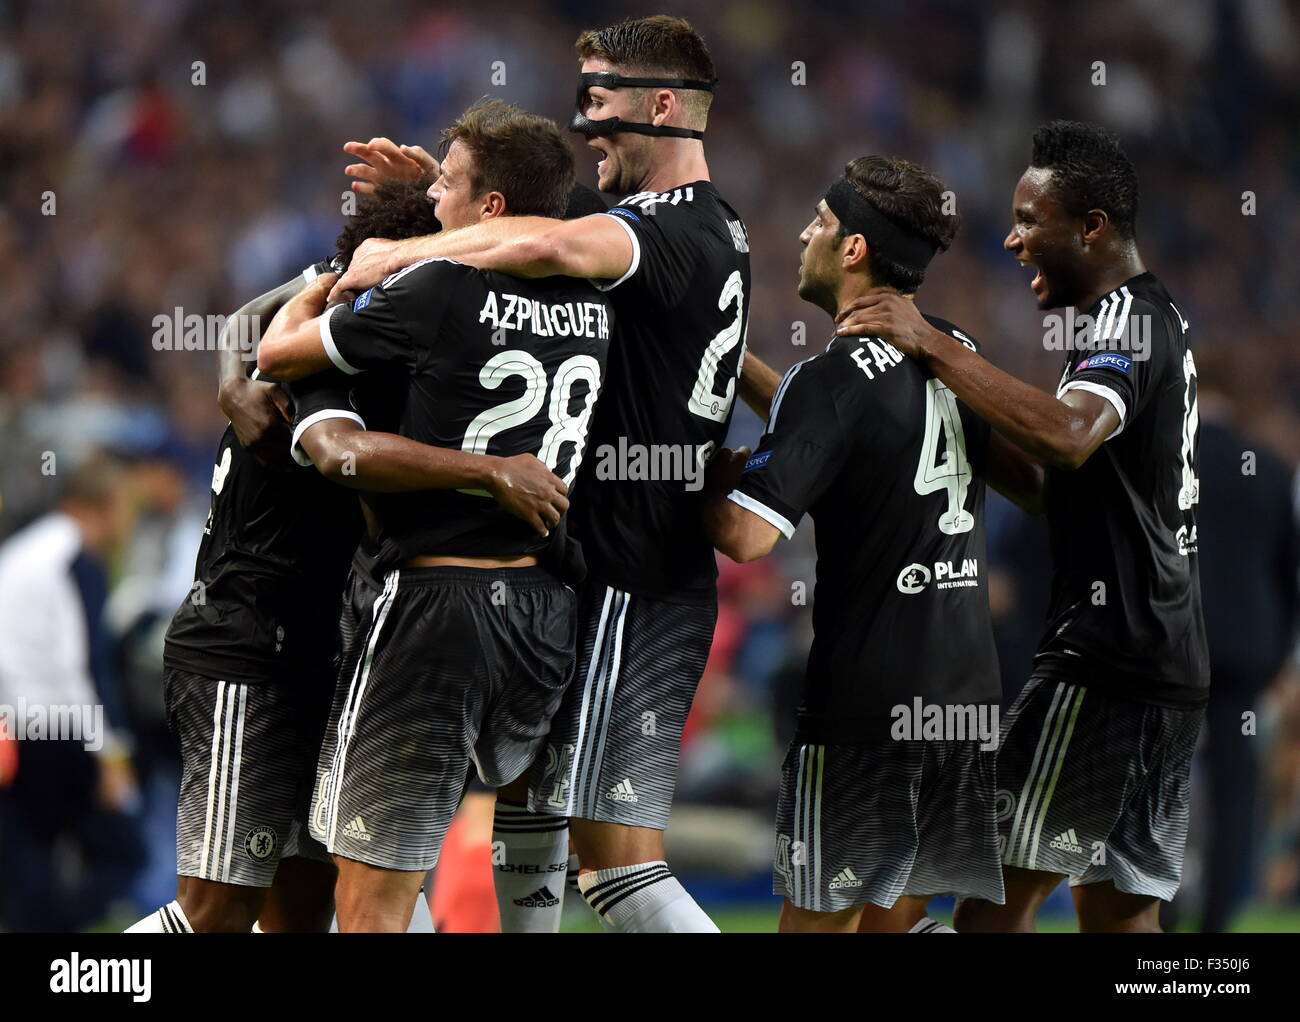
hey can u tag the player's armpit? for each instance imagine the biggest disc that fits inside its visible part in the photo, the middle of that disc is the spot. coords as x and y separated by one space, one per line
1014 474
738 533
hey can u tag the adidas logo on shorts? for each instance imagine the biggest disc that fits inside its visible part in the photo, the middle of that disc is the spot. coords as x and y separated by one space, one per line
540 898
622 791
357 830
845 878
1066 841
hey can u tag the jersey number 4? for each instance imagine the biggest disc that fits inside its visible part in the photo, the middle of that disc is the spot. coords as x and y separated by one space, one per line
950 471
565 425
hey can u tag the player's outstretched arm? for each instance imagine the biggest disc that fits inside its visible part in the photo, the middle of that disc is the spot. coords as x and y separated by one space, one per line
292 347
1062 433
758 384
738 533
258 411
362 459
593 247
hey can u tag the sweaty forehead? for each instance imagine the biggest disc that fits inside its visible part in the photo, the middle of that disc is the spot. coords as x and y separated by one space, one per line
1034 190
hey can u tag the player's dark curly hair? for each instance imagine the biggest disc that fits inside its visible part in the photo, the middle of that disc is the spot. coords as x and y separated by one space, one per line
1089 171
912 198
397 210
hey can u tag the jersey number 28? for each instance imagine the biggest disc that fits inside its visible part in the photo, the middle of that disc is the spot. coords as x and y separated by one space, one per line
564 425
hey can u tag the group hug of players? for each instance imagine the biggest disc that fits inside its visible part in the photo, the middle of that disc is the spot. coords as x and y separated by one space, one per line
458 376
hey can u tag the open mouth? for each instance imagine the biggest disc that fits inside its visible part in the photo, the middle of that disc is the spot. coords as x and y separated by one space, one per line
1037 284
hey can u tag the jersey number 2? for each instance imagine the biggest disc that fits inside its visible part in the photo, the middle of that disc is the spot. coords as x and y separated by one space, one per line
704 402
951 471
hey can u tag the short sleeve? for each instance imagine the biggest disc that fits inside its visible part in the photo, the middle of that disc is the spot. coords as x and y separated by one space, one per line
802 451
1129 345
384 327
665 248
318 397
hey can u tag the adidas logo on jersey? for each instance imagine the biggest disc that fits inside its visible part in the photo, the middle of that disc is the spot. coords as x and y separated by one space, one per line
357 830
540 898
622 792
845 878
1066 841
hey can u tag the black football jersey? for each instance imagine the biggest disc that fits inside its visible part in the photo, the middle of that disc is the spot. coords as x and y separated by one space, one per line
1125 612
492 365
890 466
681 315
269 576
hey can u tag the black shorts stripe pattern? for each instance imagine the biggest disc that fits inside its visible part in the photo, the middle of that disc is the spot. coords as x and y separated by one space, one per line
441 667
874 822
1096 787
248 759
615 743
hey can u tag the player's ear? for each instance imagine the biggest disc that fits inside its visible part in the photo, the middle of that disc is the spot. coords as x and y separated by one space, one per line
493 204
1095 222
856 253
662 106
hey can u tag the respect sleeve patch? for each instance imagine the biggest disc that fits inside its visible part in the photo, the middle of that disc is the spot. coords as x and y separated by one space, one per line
1106 360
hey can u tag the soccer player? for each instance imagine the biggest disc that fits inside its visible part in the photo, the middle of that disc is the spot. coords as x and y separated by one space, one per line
249 651
1093 766
458 636
674 258
878 813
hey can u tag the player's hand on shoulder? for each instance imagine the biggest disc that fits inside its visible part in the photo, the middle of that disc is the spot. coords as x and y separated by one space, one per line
371 263
529 490
260 413
385 161
887 314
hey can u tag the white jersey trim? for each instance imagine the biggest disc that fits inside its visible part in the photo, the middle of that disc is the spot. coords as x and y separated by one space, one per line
1101 390
332 349
605 285
301 456
779 522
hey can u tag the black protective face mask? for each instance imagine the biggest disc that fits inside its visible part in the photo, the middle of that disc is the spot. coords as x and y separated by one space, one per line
584 125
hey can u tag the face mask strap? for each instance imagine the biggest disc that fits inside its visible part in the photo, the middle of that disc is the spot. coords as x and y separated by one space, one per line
584 125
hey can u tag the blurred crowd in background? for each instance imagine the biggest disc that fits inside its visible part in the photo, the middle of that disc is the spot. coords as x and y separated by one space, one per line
165 154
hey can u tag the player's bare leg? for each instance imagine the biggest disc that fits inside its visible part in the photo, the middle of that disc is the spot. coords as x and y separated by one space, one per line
906 913
608 845
1026 890
1103 909
374 900
302 898
213 907
801 920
